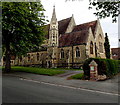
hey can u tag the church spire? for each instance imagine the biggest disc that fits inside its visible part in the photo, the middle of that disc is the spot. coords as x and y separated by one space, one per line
54 15
53 31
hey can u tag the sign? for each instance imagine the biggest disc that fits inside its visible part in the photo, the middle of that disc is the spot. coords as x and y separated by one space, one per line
92 68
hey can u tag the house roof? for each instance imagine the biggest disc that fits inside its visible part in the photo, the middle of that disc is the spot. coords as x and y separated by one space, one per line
74 38
86 26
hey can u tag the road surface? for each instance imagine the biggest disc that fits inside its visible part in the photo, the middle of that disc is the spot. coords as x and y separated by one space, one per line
18 90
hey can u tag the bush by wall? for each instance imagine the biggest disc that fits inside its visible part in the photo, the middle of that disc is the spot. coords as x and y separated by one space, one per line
108 67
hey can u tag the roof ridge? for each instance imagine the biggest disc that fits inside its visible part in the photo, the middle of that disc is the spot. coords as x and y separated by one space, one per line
65 19
74 32
86 23
59 20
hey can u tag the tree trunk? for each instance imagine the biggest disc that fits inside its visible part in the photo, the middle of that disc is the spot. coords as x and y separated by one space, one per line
7 59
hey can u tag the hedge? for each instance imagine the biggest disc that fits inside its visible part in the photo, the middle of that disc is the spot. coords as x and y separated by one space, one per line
108 67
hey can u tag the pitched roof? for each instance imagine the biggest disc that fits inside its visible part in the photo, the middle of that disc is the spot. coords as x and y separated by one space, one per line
74 38
12 57
62 27
63 24
85 26
78 35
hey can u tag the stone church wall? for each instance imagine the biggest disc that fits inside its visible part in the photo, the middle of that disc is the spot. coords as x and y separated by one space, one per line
90 39
32 59
70 59
100 39
71 25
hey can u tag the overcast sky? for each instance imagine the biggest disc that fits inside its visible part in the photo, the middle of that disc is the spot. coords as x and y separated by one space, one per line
81 14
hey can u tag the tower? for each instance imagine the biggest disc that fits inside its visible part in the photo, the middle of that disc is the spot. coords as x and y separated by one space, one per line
53 41
53 31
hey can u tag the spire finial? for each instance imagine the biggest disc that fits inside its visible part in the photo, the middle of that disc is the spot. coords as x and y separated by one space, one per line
54 5
54 14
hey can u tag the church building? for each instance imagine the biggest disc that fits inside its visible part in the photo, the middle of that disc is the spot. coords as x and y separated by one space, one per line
67 44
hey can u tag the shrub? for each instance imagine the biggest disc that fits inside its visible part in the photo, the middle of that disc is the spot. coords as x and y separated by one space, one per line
86 68
108 67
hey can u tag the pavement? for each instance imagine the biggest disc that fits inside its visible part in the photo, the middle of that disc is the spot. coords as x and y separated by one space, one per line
108 86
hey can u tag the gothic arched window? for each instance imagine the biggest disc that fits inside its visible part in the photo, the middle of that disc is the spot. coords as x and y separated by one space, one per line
38 56
100 47
77 52
91 47
62 53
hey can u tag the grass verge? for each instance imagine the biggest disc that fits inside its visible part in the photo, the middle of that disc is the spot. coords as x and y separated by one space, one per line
65 69
77 76
42 71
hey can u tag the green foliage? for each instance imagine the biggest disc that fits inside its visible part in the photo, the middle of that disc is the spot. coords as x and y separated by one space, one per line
107 46
112 67
22 26
86 68
105 9
108 67
77 76
35 70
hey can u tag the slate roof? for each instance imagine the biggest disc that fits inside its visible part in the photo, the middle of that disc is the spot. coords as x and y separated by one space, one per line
79 34
62 26
12 57
86 26
74 38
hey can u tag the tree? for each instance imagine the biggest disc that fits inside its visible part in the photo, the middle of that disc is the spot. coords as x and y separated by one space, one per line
22 28
106 8
107 46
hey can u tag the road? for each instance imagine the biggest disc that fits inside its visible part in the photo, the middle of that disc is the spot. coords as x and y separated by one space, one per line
17 90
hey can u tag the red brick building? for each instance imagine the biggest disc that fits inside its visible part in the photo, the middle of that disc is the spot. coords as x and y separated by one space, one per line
115 53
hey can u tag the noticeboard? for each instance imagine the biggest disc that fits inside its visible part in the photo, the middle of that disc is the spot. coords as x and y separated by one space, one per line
92 68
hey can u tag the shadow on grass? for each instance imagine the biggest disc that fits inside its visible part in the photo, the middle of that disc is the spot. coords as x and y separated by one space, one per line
41 71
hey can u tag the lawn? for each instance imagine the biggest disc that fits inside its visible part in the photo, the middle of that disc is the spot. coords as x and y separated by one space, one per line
42 71
77 76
